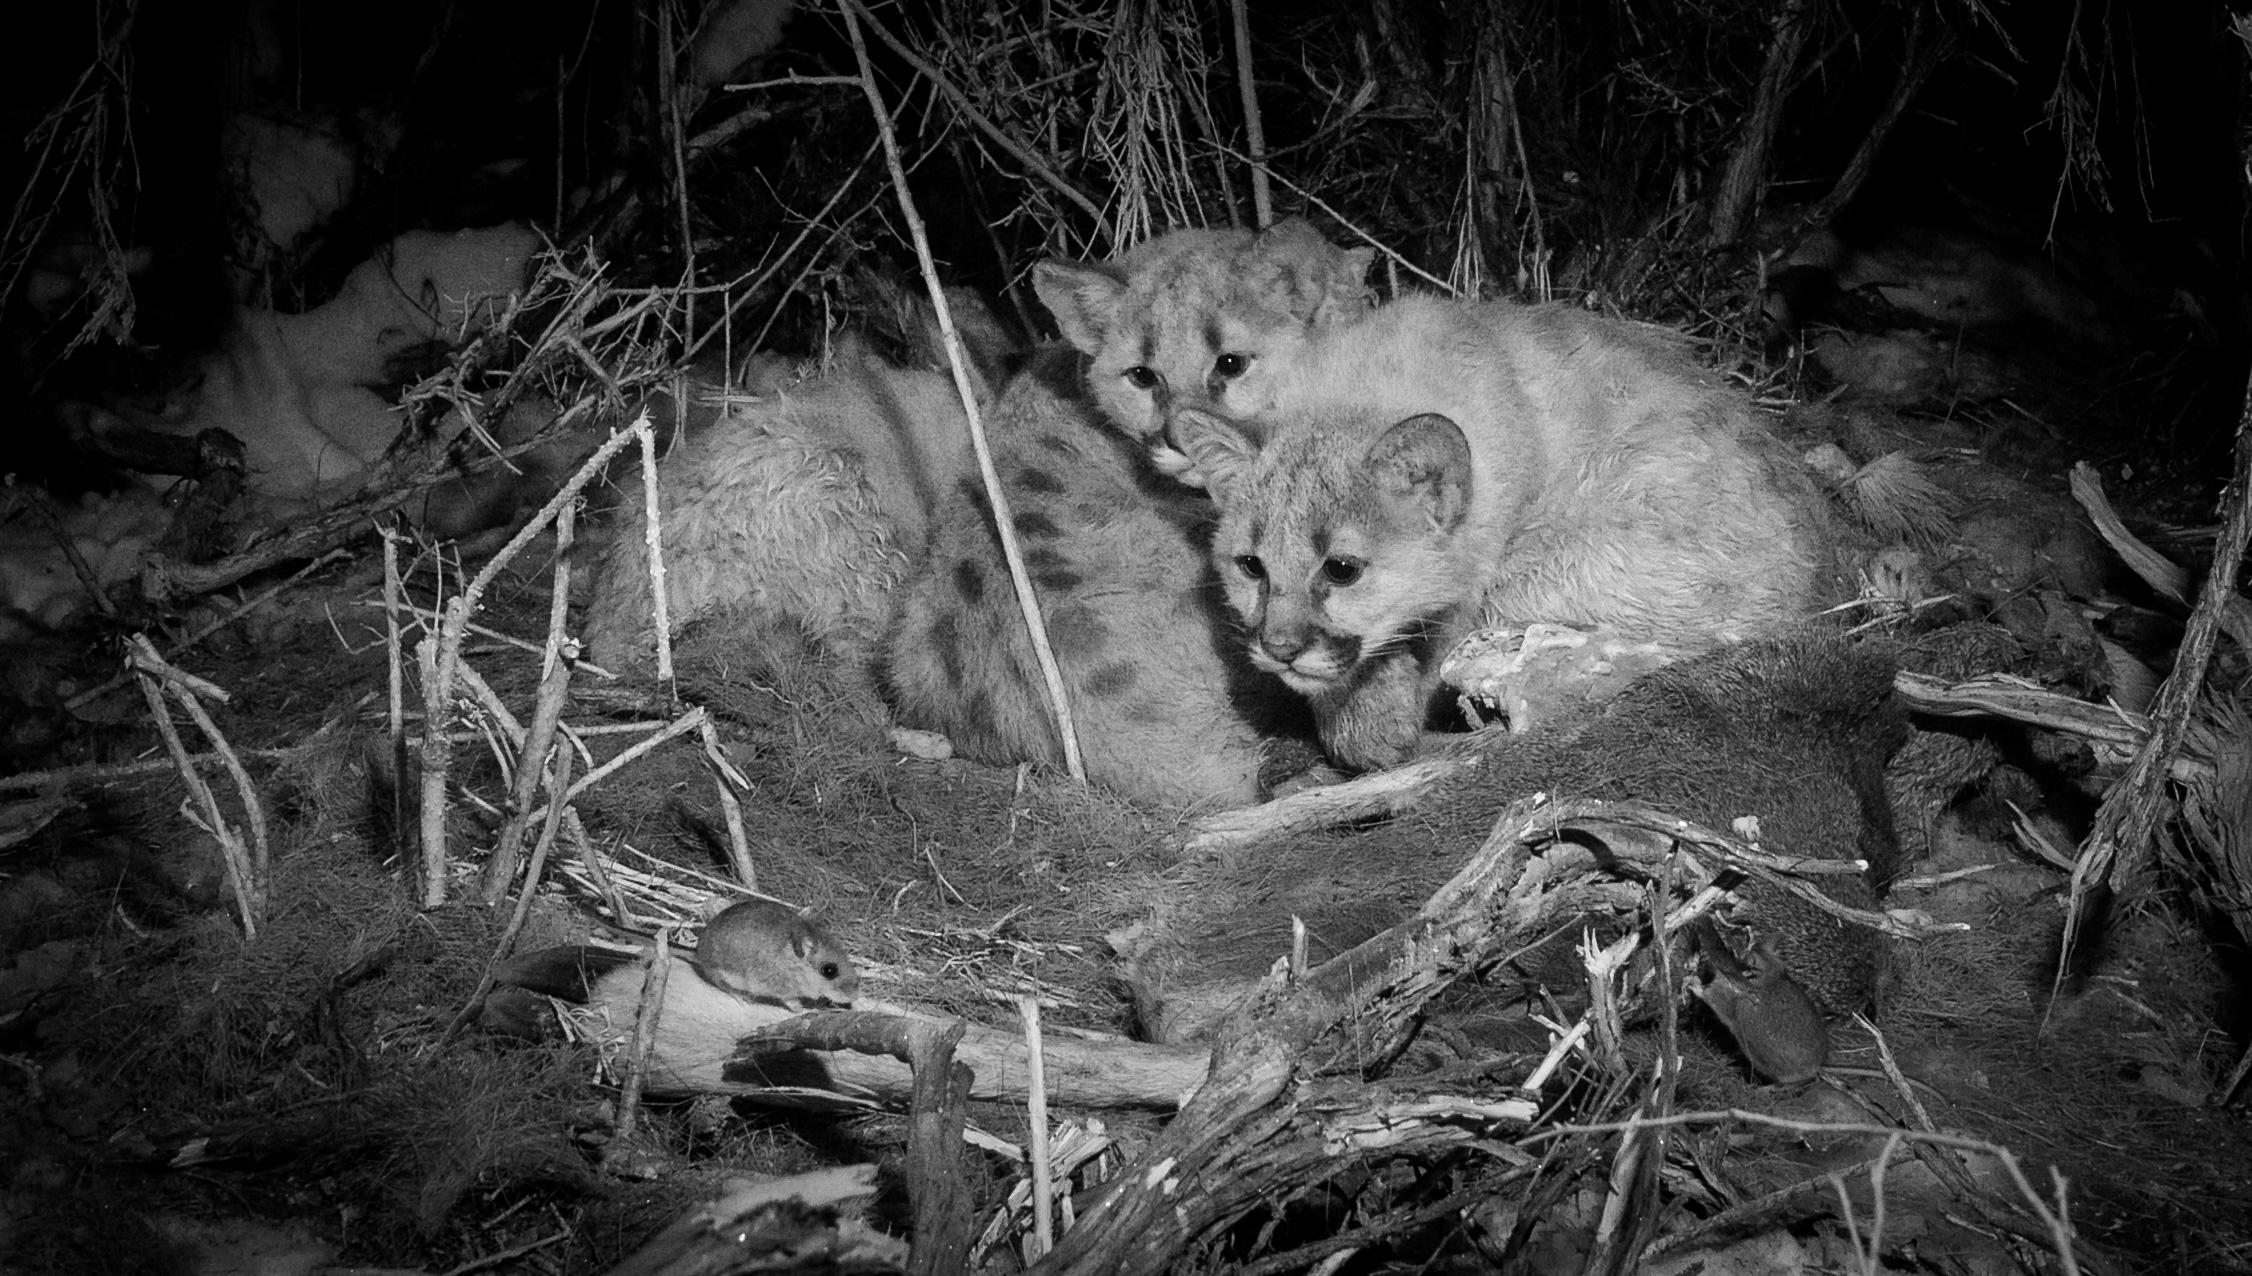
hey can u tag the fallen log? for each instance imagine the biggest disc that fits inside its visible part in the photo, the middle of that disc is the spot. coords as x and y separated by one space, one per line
700 1027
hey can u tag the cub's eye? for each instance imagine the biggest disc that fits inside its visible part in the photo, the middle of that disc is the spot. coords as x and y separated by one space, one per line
1141 377
1341 571
828 970
1232 365
1250 566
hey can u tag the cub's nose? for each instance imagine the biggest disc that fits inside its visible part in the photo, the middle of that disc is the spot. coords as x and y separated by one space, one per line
1284 647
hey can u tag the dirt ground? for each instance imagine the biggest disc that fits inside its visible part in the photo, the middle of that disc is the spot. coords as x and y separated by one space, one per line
178 1093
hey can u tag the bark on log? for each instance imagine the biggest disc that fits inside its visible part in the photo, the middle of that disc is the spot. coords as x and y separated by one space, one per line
701 1026
936 1181
1249 1133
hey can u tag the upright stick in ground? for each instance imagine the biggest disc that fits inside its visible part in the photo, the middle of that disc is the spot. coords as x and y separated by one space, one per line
1004 527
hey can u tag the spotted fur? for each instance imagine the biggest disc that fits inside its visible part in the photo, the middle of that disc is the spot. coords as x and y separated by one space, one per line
1439 466
1181 320
1121 575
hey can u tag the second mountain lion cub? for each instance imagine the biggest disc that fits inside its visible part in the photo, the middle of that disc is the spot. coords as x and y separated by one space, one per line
1440 466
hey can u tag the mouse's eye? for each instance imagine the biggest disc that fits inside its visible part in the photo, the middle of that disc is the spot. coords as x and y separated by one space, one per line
1141 377
828 970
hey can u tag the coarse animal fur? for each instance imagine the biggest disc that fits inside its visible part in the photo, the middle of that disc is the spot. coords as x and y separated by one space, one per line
801 508
1773 1020
1441 466
1181 320
846 512
1121 576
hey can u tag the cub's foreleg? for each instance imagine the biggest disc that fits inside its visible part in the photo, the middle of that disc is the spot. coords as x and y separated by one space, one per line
1376 720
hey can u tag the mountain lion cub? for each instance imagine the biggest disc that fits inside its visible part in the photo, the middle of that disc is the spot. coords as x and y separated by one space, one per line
1438 466
1180 320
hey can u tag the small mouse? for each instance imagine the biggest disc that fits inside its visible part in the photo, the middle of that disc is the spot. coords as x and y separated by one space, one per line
763 951
1775 1023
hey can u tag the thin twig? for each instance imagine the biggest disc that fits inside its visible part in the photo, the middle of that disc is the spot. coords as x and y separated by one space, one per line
69 777
1347 222
558 779
2128 821
682 725
725 778
210 627
1017 150
437 758
644 1036
39 502
597 869
531 765
440 659
230 845
1036 1116
425 617
395 721
260 848
653 542
727 317
141 655
560 661
1004 526
2051 1221
1254 128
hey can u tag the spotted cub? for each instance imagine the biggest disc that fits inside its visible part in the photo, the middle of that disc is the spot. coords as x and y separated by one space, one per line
1121 575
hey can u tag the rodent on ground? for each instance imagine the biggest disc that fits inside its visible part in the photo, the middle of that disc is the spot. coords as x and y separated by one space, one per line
1774 1021
764 951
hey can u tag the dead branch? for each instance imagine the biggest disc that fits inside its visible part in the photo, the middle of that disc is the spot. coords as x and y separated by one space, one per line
960 101
1402 789
1269 1116
1331 806
727 779
38 500
843 1060
558 778
1927 50
1003 525
1254 127
1744 180
547 716
249 888
2155 569
388 486
2121 841
440 660
209 628
937 1182
64 779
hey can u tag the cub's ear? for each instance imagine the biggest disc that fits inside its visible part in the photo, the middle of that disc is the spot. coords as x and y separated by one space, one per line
1288 236
1345 293
1324 283
1220 449
1425 461
1083 296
